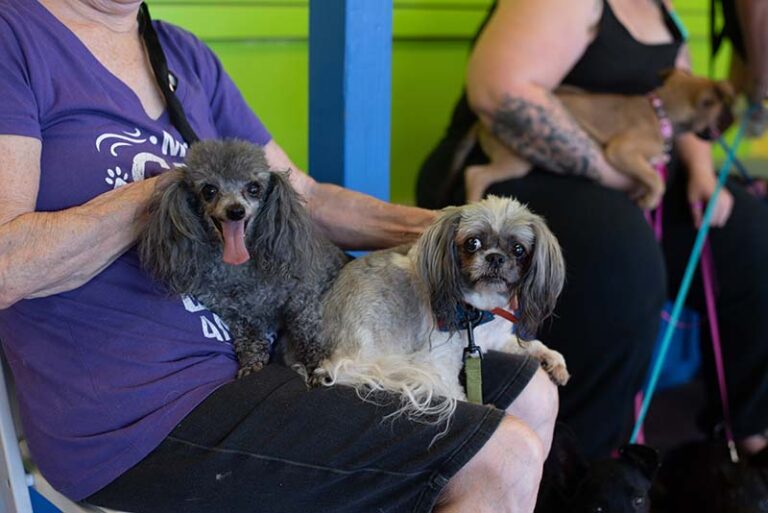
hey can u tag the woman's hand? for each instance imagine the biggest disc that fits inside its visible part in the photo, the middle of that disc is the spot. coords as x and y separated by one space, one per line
701 185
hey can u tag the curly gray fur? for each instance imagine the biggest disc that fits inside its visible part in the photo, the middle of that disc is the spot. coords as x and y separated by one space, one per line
291 264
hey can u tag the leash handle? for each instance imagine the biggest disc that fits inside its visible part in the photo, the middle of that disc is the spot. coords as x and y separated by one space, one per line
165 80
685 285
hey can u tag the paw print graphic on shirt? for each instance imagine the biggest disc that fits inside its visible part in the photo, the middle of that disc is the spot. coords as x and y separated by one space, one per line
116 177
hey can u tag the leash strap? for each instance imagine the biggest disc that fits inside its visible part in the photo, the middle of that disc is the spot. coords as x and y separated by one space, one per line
685 285
708 277
165 79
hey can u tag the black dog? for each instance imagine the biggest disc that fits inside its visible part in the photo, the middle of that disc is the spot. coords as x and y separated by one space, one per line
571 484
236 235
700 478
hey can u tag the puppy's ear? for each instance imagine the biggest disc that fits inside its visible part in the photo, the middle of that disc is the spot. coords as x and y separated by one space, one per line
170 242
282 229
438 266
667 73
726 92
543 281
566 465
644 458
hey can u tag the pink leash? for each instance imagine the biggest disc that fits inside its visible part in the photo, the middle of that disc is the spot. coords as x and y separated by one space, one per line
708 279
654 218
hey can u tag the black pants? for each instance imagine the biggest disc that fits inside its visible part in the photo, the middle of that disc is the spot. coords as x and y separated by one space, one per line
607 318
266 443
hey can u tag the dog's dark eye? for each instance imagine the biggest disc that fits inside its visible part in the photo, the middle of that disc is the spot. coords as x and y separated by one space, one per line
518 250
253 189
472 245
208 192
598 509
638 501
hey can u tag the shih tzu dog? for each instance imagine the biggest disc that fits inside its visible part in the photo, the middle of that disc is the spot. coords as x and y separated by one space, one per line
237 237
395 315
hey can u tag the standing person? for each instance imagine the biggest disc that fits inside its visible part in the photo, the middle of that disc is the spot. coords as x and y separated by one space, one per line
618 277
127 396
745 24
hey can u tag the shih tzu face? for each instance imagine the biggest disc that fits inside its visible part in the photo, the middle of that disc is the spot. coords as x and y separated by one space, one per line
492 254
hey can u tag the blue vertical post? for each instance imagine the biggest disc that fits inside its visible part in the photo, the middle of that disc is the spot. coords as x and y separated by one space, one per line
350 75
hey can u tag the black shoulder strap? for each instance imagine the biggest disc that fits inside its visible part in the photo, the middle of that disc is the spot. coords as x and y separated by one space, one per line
163 76
671 22
715 36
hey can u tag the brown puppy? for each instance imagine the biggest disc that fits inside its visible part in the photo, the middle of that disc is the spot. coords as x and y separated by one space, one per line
629 128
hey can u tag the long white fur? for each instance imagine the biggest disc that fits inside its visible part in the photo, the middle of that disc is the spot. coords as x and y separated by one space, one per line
379 316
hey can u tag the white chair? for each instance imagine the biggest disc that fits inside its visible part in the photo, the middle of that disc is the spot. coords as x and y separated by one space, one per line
17 473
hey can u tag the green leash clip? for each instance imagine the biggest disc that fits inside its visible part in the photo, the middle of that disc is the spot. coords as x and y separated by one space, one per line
473 364
474 375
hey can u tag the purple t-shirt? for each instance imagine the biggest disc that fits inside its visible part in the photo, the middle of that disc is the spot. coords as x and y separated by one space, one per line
104 372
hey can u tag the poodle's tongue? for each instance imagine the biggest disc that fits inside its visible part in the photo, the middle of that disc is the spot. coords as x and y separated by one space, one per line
235 252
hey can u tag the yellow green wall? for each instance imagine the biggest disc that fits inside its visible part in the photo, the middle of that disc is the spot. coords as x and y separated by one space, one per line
263 45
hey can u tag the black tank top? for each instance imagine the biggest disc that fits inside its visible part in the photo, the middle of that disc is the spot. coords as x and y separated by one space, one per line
614 62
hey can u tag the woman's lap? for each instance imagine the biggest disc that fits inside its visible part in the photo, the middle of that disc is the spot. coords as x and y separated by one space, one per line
607 318
266 443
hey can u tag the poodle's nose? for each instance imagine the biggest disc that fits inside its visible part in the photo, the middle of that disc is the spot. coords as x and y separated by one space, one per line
235 212
495 259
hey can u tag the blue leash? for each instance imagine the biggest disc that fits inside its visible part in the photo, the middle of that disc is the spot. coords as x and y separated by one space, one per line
682 294
736 162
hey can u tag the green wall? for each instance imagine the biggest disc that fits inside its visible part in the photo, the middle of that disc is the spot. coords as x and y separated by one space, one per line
263 45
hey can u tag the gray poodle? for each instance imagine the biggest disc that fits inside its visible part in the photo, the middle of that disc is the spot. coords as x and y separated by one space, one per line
236 236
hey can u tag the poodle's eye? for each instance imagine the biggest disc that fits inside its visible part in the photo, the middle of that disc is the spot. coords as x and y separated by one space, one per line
638 501
208 192
472 245
518 250
253 189
598 509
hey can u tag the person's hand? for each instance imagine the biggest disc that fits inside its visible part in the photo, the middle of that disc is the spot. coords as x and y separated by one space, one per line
700 189
758 120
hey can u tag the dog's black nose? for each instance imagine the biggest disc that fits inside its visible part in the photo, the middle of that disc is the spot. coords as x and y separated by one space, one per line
495 259
235 212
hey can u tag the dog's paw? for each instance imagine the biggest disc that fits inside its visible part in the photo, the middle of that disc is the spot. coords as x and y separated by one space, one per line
248 369
320 377
652 195
554 363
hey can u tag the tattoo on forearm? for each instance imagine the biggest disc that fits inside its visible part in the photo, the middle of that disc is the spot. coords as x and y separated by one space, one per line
546 136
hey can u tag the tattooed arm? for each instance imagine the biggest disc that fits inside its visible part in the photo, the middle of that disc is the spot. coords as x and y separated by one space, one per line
523 53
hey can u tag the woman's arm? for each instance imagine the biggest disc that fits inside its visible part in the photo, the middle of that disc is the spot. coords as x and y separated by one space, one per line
753 18
44 253
524 52
696 156
351 219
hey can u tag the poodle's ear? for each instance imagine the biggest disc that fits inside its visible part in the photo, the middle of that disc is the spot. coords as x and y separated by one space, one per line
543 281
644 458
438 265
283 229
173 231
